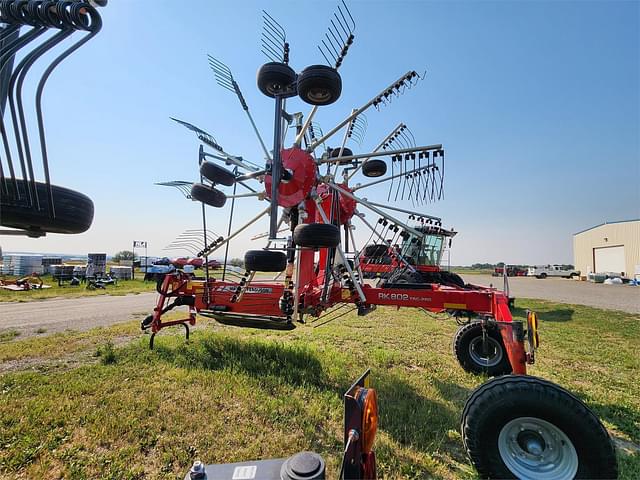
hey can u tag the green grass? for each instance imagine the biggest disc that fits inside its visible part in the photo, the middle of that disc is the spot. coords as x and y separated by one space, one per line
123 287
237 394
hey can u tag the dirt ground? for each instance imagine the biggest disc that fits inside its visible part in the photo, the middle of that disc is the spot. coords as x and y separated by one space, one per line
612 297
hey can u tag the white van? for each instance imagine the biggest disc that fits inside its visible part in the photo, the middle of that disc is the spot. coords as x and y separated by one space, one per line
544 271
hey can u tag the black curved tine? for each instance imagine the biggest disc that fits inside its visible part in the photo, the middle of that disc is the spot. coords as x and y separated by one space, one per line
18 81
400 161
80 12
274 39
5 57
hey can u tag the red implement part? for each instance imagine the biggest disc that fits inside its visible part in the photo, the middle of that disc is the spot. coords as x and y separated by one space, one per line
298 180
346 206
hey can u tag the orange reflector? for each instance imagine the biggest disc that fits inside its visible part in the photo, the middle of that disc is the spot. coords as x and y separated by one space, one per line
368 401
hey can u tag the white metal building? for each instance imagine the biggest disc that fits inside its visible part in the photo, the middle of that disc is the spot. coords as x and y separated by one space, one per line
608 248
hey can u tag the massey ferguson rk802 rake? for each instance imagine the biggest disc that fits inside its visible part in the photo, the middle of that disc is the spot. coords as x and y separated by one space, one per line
28 206
512 426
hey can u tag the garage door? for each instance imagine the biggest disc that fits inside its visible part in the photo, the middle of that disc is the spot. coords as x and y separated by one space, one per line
609 259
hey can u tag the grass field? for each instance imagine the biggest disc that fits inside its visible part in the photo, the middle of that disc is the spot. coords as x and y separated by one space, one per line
99 404
122 288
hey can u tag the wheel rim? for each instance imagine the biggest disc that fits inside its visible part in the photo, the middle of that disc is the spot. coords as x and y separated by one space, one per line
532 448
489 358
319 95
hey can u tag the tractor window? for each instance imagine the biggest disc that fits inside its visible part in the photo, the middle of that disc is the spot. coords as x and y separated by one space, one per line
427 252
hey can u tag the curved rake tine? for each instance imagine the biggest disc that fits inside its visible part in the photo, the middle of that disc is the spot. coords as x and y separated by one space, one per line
182 186
17 112
95 27
5 57
274 39
224 77
339 37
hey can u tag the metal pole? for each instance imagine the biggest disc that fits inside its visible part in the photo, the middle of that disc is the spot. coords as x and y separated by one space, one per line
386 179
386 153
201 158
133 261
402 210
233 204
276 169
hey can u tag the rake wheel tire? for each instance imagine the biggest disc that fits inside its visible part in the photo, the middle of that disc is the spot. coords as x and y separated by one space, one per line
453 279
274 78
73 210
316 235
346 152
404 276
265 261
514 399
467 347
374 168
209 195
217 174
319 85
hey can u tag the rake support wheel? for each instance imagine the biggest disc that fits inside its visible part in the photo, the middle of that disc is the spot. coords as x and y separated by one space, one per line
316 235
524 427
217 174
73 210
319 85
275 78
478 354
265 261
209 195
374 168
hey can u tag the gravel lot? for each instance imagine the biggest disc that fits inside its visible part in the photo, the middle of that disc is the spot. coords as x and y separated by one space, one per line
613 297
57 315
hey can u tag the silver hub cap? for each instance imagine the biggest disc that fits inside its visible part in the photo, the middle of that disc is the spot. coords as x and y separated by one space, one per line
532 448
488 355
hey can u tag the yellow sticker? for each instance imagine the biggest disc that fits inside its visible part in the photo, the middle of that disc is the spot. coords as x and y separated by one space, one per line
346 293
457 306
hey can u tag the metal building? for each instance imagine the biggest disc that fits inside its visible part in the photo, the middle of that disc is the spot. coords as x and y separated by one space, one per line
612 247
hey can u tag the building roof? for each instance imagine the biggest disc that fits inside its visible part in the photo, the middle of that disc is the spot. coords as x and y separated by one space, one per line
607 223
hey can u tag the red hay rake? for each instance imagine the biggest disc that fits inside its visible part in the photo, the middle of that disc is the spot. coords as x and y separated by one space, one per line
312 196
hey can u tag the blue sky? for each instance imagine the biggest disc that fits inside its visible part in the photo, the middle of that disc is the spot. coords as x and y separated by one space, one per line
536 103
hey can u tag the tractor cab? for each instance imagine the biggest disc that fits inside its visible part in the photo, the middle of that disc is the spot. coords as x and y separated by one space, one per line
426 250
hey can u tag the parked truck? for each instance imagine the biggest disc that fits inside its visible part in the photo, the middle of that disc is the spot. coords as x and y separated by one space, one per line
544 271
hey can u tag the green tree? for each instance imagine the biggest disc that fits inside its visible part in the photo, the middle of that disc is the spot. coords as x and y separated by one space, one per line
123 255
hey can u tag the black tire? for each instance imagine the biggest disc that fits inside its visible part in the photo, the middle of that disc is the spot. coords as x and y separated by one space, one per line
543 276
73 210
319 85
467 347
275 78
376 250
374 168
217 174
209 195
452 279
404 276
346 152
265 261
316 235
501 404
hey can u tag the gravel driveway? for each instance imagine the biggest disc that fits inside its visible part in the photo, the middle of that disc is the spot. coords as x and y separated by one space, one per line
562 290
59 314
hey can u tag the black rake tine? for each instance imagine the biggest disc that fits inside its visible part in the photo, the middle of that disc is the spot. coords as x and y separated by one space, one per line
275 24
325 57
352 28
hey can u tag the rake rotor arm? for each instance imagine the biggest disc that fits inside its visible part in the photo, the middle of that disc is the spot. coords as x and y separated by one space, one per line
374 101
231 160
209 250
382 145
408 212
385 153
386 179
374 209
